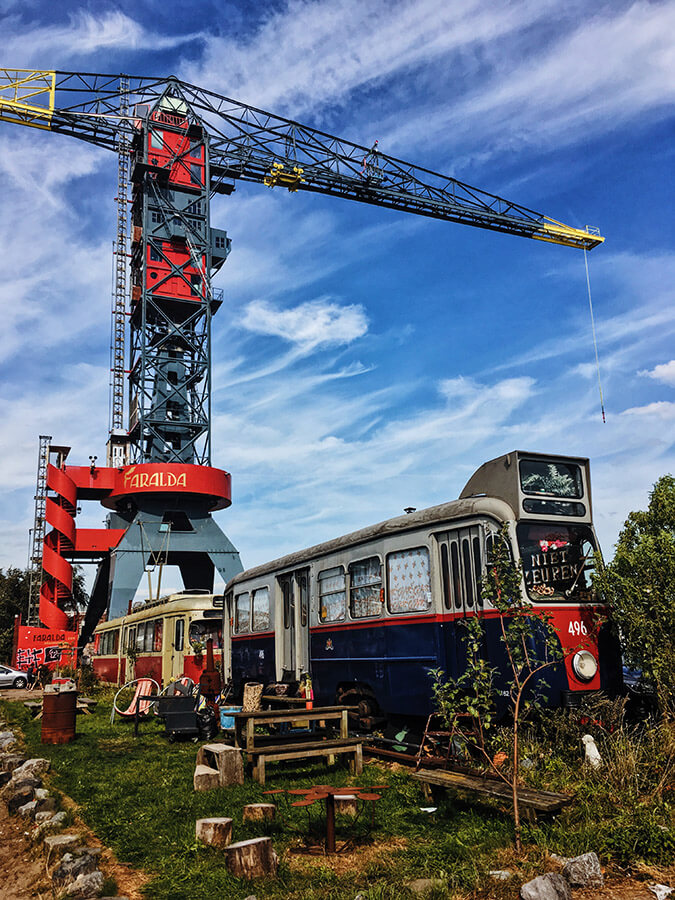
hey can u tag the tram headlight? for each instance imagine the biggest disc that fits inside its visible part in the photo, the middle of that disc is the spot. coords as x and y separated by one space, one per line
585 665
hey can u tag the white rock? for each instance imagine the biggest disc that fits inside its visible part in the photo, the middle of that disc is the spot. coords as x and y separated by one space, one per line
660 891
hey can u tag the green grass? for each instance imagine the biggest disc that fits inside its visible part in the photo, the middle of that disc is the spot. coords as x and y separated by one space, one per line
136 795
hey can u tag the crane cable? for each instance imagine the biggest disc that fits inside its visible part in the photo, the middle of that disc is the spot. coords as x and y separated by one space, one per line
595 342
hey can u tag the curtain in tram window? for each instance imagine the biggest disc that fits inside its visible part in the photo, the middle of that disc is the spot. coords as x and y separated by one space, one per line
159 629
366 584
409 580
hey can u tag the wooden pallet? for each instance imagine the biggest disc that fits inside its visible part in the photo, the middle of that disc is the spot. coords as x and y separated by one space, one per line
532 802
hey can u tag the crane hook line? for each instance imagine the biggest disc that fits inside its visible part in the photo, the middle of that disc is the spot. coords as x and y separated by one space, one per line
595 342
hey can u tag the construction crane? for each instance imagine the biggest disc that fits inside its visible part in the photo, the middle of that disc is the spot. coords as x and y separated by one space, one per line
183 144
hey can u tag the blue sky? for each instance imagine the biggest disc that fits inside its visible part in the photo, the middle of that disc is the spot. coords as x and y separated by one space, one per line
367 360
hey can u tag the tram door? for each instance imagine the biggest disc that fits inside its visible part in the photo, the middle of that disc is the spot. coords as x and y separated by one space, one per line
293 636
175 635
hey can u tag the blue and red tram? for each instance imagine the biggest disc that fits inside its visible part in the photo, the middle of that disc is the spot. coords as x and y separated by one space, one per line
368 614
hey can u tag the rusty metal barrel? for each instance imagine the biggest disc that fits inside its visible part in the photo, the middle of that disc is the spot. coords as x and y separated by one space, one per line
59 717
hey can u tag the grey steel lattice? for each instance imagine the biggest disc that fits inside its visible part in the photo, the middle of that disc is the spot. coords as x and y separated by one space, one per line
37 535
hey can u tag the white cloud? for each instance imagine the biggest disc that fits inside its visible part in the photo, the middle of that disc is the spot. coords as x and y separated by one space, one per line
325 51
84 34
659 409
664 372
320 322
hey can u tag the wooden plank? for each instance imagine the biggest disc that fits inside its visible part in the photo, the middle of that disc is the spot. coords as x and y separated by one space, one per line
328 751
280 713
303 745
542 801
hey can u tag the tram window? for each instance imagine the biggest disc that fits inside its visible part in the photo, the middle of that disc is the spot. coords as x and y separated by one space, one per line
261 609
159 631
554 478
242 608
468 572
409 580
332 596
179 634
365 588
287 597
202 630
304 597
477 569
108 643
149 638
130 638
140 636
557 560
456 581
445 574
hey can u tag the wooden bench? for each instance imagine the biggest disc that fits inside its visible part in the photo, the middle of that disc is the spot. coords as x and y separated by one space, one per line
530 801
261 755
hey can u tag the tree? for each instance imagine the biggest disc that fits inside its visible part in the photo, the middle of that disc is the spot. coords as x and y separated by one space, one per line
468 703
14 589
14 593
639 588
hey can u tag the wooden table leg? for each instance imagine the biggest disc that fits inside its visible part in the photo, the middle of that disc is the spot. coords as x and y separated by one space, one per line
250 734
330 824
344 724
358 759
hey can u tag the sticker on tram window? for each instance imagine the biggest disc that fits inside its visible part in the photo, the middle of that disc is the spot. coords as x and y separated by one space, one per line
577 627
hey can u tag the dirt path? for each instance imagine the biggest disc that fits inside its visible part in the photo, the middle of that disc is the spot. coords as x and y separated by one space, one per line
23 873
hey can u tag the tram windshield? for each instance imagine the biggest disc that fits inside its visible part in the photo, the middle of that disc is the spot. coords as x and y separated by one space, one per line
558 560
203 629
551 479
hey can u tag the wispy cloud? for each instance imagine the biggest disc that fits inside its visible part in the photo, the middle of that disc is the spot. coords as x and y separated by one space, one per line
326 51
85 33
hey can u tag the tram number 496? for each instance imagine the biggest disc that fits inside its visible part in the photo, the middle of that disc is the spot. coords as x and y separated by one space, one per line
577 627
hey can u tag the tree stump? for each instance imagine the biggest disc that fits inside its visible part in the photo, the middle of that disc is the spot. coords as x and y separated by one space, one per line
259 812
226 760
216 832
252 859
206 778
345 804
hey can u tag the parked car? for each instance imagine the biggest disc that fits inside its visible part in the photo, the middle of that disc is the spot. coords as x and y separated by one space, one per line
10 677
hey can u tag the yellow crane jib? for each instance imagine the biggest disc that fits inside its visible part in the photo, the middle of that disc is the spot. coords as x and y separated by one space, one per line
557 233
19 91
278 175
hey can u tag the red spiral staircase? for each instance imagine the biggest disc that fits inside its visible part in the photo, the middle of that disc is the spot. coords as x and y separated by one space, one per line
57 586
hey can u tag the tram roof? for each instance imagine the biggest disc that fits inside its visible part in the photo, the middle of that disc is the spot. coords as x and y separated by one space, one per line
451 511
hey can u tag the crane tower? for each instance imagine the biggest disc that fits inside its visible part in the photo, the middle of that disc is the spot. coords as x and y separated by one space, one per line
185 144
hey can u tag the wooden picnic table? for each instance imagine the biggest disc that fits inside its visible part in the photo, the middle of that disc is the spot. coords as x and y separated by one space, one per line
84 705
258 752
245 723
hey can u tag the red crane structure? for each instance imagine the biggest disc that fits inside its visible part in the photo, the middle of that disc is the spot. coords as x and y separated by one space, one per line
177 146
